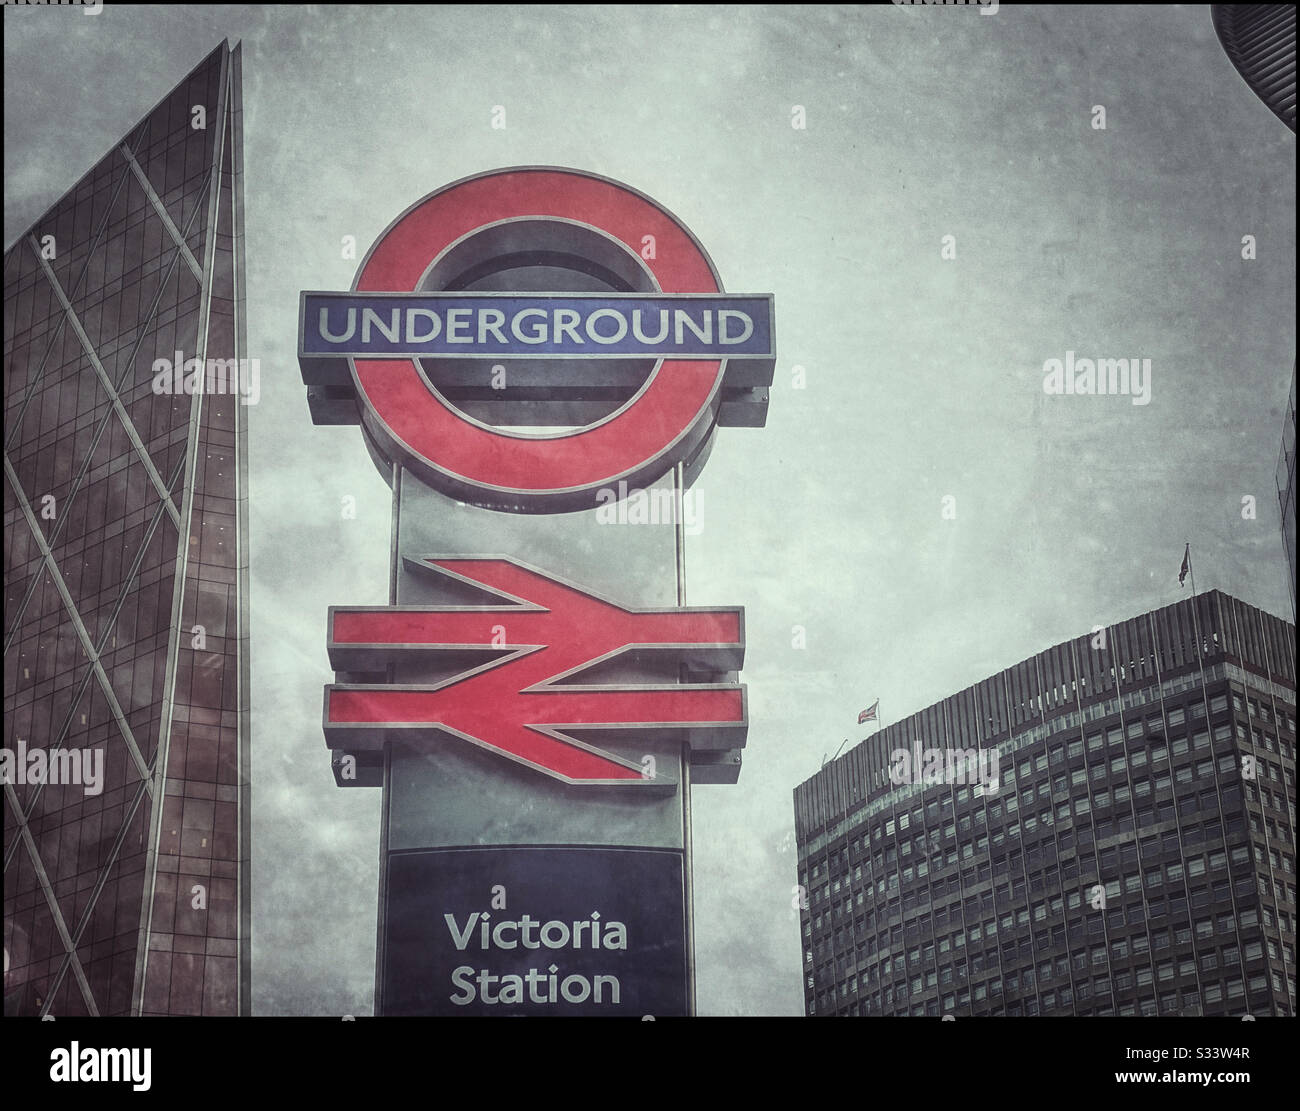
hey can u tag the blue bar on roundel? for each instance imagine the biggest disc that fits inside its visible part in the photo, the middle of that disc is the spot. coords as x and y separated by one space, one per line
503 326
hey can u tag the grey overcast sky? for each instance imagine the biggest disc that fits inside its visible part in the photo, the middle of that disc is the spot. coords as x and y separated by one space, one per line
923 375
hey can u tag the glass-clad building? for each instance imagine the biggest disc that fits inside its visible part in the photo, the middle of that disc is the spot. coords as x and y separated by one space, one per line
1131 851
126 732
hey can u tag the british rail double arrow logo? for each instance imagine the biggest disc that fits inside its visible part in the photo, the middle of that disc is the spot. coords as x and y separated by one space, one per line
517 675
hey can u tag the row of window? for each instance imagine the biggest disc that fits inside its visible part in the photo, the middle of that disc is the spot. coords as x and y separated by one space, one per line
1041 976
1136 730
1159 811
1086 997
887 879
888 944
940 904
866 943
1153 908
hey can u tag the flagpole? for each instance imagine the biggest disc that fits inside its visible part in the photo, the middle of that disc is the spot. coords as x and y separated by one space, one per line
825 761
879 724
688 870
1200 655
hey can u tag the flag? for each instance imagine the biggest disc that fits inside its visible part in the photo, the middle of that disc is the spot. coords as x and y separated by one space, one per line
1187 564
869 714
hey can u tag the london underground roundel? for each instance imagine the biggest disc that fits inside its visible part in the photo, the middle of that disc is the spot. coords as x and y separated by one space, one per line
650 319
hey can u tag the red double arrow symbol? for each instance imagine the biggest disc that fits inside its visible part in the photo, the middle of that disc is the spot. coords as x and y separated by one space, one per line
516 683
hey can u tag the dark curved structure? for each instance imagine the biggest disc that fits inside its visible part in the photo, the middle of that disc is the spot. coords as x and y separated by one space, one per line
1259 39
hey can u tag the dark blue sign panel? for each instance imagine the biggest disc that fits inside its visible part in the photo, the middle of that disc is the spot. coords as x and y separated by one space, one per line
535 931
492 325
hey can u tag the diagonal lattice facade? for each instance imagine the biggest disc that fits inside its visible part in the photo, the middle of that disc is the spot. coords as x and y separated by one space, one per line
126 577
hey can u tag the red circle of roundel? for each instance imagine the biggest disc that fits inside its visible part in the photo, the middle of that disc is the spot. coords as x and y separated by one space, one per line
641 441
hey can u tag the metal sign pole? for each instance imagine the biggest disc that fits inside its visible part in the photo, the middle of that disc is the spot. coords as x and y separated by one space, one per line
679 494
